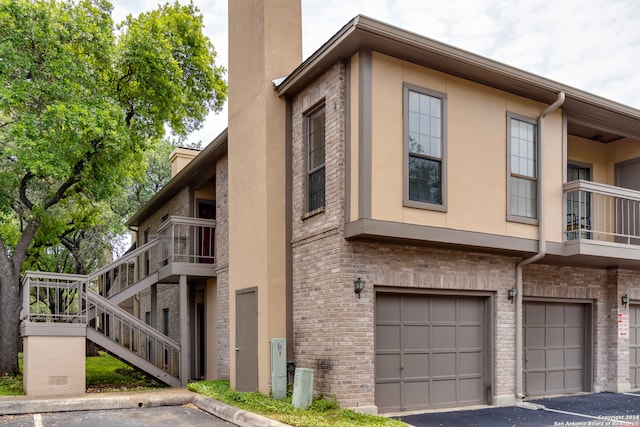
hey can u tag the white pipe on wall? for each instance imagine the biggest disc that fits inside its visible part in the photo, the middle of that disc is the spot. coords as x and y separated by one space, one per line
542 246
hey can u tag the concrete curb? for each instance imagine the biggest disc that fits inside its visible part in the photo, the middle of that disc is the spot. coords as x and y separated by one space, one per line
19 405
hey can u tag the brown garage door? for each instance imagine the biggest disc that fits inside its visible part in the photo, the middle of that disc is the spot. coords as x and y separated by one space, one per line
634 345
430 351
555 345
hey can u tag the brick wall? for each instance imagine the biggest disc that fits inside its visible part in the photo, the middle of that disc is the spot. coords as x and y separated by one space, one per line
222 266
333 329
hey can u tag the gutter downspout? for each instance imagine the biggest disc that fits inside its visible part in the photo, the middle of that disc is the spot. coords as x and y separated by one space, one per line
542 246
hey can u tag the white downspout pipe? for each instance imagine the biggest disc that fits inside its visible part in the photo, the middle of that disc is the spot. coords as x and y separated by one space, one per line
542 245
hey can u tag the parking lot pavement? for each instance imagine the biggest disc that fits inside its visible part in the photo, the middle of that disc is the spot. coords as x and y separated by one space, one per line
186 415
596 410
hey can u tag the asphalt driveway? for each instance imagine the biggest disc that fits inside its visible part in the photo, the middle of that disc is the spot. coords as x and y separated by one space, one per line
600 409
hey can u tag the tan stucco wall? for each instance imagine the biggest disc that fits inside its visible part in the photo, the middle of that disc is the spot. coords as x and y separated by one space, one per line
476 150
602 157
353 136
54 365
271 31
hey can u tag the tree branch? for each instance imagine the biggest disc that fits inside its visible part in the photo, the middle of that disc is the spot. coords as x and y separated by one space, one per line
75 176
7 123
23 189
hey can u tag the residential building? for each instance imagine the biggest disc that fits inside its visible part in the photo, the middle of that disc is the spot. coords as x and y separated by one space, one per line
491 215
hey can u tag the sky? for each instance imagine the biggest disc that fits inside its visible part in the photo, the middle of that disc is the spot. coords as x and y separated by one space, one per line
592 45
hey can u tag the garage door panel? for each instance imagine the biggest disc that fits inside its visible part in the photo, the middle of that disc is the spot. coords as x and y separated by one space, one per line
555 381
443 392
470 310
387 308
535 314
443 310
536 359
440 358
555 337
536 382
470 389
416 393
555 359
471 363
415 337
415 310
574 357
555 314
575 336
443 337
388 396
471 336
534 336
388 337
574 314
388 366
416 366
443 365
574 380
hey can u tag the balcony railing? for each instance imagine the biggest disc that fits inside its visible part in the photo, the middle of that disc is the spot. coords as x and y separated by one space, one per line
51 299
187 240
602 213
182 240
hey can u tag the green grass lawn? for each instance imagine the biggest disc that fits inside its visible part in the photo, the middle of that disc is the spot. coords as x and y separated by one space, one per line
321 413
103 373
106 373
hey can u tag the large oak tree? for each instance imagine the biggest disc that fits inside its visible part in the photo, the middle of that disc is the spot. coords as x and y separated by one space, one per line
80 102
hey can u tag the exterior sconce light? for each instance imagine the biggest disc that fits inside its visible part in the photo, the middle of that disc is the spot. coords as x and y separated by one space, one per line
625 300
511 294
358 286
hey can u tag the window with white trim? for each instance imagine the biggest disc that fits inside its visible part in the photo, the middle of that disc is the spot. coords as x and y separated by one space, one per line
315 136
523 168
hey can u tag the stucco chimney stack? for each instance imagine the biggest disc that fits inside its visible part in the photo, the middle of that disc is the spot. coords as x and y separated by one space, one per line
265 43
180 157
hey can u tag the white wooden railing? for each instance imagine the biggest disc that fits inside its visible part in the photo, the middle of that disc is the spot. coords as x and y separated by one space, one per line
602 213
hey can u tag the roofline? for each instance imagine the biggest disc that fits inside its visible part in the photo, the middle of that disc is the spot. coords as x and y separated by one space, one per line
364 32
191 173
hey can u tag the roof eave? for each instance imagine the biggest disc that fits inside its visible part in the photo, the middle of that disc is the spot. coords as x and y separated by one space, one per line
367 33
190 174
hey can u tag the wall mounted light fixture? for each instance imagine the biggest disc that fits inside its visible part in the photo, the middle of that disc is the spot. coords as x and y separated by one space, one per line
625 300
358 286
511 294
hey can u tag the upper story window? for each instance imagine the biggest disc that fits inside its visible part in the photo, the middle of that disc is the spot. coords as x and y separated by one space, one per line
315 136
425 113
523 168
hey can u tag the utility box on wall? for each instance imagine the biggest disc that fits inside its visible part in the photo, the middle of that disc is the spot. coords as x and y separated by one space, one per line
279 368
302 388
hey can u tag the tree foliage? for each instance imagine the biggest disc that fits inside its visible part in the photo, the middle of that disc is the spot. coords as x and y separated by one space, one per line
80 103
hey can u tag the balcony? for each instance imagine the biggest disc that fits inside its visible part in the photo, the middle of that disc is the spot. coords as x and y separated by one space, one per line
601 220
187 247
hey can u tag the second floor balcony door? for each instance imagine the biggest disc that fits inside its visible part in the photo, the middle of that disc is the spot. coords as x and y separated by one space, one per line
578 204
206 237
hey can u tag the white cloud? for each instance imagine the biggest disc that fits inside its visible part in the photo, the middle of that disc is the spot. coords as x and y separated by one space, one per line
593 45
